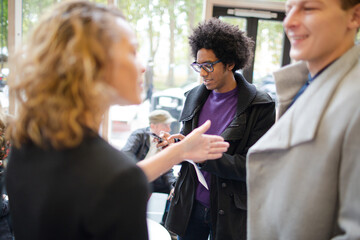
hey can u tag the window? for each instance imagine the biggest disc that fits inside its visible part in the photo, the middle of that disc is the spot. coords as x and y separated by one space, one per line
4 68
272 47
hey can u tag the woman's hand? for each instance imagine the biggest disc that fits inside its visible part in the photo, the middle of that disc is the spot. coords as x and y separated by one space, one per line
199 147
196 146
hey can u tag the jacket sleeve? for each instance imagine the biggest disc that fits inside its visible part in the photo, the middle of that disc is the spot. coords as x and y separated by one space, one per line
349 188
233 166
133 143
170 178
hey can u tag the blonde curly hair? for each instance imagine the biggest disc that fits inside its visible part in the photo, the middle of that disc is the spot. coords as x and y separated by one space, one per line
59 76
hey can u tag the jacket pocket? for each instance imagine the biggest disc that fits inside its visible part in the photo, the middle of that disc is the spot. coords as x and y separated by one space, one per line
235 131
240 201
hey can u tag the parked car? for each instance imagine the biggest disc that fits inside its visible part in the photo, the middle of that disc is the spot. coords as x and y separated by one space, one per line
267 84
171 100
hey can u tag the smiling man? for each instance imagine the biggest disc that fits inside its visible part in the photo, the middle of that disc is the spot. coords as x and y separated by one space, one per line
303 175
240 114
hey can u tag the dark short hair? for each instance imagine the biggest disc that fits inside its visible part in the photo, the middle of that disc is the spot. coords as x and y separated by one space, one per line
346 4
227 41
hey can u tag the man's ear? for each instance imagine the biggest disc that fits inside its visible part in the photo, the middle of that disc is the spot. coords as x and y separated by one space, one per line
355 18
230 66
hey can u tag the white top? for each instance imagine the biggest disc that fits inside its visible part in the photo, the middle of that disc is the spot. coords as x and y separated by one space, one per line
156 231
153 149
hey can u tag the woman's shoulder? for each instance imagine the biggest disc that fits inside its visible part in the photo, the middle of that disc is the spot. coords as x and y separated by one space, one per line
99 150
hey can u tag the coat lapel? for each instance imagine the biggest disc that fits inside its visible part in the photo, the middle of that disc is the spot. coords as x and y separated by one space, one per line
288 82
195 98
301 121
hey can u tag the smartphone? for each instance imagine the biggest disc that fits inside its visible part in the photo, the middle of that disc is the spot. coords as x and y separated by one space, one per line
160 140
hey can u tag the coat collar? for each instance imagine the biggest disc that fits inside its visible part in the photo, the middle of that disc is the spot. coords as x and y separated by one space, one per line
288 82
196 97
301 121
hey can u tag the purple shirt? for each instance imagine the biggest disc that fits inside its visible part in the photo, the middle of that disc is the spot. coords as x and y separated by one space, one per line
220 108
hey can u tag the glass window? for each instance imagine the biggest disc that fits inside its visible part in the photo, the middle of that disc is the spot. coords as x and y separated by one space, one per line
100 1
4 68
241 22
268 54
32 10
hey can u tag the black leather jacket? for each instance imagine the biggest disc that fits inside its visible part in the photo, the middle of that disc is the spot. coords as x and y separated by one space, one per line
228 195
138 144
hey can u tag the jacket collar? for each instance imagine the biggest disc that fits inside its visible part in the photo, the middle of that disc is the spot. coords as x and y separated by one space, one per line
301 121
196 97
288 81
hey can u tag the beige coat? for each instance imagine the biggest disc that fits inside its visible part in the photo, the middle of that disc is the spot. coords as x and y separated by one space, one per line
304 173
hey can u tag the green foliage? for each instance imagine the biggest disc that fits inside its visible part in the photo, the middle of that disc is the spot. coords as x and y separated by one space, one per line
271 33
99 1
150 18
3 24
32 10
241 22
156 20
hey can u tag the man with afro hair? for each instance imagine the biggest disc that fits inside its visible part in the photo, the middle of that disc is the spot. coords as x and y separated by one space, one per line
238 112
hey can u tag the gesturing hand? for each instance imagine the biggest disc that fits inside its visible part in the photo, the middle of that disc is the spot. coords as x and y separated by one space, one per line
199 147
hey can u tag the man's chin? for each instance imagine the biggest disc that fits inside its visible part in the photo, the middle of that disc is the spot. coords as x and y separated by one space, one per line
208 86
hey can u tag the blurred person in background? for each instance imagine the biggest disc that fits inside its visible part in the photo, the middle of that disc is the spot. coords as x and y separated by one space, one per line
143 144
64 181
148 84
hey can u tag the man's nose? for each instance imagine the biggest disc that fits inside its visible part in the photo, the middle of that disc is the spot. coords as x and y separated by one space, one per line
203 72
291 19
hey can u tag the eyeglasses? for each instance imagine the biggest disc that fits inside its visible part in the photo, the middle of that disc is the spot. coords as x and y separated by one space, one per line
208 67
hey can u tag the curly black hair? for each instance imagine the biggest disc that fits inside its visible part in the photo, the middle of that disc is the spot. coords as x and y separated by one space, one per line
228 42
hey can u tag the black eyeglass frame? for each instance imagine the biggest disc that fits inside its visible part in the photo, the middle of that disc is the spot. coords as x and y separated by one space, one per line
197 66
